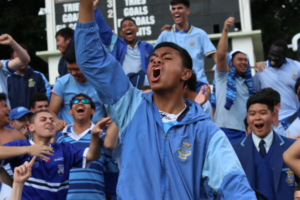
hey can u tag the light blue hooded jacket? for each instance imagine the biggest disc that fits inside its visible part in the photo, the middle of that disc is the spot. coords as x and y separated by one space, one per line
159 162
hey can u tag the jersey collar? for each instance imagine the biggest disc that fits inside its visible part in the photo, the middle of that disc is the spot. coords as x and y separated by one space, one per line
189 30
67 130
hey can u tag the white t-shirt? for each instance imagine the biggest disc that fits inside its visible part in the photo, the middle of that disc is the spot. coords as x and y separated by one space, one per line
5 192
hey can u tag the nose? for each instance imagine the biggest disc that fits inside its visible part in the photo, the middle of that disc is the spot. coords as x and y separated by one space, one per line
157 60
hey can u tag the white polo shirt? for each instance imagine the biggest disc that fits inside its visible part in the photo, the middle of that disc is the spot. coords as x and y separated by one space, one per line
282 80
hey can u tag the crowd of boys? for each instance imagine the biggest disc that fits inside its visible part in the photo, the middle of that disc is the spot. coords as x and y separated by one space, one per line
129 120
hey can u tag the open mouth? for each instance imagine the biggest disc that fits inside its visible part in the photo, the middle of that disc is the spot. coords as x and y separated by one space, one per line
177 16
80 110
156 73
259 126
49 128
129 33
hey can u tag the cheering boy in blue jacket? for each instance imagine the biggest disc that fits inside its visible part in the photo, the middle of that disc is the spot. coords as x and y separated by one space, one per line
170 149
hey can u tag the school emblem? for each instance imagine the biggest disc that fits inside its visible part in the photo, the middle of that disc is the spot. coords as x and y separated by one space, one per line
184 151
31 83
192 42
61 169
294 75
36 163
290 178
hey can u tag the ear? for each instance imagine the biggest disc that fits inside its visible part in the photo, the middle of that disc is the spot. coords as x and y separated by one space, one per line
31 110
68 40
297 97
188 11
70 112
31 127
11 123
273 116
186 74
278 106
92 111
137 29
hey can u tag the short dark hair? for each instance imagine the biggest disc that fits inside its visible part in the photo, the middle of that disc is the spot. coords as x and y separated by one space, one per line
261 98
282 44
3 96
33 115
93 106
184 2
187 61
128 18
192 83
272 93
70 54
246 123
297 188
297 85
145 87
37 97
11 50
66 33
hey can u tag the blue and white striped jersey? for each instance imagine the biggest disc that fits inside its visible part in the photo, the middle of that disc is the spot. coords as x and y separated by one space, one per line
49 180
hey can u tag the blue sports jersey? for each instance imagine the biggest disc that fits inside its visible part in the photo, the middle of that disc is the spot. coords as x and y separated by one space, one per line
49 180
89 183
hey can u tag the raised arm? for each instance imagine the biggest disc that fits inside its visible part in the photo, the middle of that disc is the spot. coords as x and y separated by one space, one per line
23 57
223 46
291 157
111 136
102 70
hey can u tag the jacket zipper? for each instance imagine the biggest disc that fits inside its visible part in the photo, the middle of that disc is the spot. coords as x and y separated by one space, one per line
164 180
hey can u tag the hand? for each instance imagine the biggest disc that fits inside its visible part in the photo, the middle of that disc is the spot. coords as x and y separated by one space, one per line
95 4
99 126
228 23
40 151
24 131
6 39
166 27
203 95
23 172
60 125
260 66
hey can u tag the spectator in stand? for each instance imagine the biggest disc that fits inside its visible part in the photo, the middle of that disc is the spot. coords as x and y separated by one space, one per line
19 120
68 86
260 153
90 181
190 92
9 66
232 88
276 125
292 123
132 53
162 134
64 41
24 83
280 73
193 39
38 101
51 169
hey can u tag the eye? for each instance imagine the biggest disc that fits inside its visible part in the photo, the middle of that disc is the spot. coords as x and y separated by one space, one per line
167 58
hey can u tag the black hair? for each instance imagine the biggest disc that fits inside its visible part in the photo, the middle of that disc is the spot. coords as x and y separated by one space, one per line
66 33
184 2
297 85
272 93
32 117
297 188
192 83
3 97
11 50
282 44
93 106
128 18
261 98
246 123
37 97
70 54
187 61
145 87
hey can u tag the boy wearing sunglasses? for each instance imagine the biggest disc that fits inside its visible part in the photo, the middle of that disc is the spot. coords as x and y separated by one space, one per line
50 174
90 181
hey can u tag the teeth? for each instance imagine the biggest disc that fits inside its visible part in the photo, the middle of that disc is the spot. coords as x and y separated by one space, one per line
177 15
128 31
80 108
156 69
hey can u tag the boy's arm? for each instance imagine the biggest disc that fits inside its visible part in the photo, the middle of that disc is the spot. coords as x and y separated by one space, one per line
5 178
23 57
111 136
230 181
103 71
223 46
291 157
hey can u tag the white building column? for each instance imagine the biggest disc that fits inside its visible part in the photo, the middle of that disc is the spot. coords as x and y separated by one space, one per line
245 15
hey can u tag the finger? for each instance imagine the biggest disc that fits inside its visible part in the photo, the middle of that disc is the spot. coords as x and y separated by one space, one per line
64 123
32 161
44 157
45 152
202 90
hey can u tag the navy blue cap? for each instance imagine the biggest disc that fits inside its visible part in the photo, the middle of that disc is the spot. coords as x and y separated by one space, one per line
18 113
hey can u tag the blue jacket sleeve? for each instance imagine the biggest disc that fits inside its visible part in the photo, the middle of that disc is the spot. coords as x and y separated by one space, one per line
224 171
106 75
44 87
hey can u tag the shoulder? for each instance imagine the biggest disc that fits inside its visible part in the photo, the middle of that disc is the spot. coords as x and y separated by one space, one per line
288 141
64 79
18 142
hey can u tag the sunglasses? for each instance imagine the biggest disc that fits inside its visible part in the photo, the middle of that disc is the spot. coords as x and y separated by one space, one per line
85 101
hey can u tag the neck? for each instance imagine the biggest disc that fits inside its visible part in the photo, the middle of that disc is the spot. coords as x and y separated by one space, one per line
41 140
80 126
132 43
191 95
183 26
169 102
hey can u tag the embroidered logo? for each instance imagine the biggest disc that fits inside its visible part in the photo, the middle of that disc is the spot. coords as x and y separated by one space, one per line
31 83
184 151
192 43
146 54
59 159
290 178
36 163
294 75
60 170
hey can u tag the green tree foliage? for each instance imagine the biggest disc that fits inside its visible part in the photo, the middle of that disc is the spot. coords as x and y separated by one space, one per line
278 19
20 19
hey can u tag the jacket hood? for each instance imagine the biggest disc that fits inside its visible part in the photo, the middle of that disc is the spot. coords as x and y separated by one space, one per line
195 113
